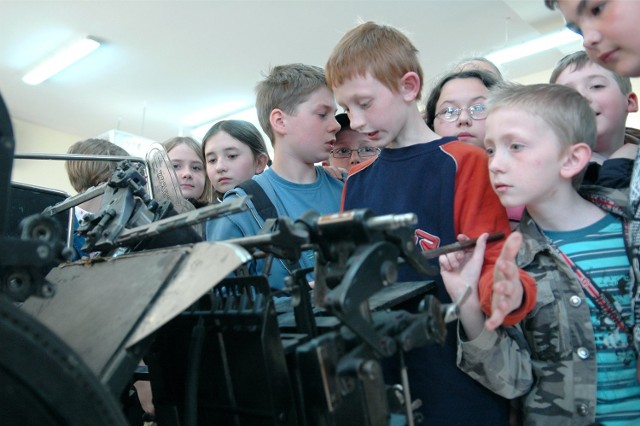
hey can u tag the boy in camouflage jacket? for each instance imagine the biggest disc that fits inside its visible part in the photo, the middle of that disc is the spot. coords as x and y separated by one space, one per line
573 358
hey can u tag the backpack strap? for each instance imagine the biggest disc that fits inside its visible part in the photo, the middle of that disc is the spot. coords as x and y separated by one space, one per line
261 201
266 210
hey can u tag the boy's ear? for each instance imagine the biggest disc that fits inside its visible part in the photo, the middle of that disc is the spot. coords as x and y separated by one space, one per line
577 158
261 163
410 86
632 102
277 118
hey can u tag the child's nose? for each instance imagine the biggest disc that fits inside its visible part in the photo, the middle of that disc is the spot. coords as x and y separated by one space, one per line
335 126
355 157
221 166
356 121
591 37
496 163
464 118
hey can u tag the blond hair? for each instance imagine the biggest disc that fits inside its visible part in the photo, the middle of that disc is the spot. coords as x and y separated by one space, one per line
207 194
565 111
85 174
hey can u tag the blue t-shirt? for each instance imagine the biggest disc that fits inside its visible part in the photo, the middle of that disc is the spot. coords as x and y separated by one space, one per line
291 200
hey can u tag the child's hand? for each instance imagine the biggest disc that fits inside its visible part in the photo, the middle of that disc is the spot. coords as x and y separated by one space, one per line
336 172
507 288
462 268
459 271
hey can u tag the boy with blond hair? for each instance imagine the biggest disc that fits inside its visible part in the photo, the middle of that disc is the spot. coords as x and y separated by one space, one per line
296 109
377 78
612 99
579 365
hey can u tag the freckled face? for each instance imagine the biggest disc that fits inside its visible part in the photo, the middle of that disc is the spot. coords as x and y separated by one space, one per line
525 158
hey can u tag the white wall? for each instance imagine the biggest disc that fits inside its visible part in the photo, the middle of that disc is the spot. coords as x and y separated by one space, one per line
30 138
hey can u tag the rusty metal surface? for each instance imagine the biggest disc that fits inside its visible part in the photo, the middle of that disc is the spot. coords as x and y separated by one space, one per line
206 266
104 306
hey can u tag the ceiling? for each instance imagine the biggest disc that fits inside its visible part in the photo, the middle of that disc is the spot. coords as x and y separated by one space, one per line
163 61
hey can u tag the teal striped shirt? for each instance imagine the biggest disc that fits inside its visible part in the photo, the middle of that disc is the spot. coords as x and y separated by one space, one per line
599 251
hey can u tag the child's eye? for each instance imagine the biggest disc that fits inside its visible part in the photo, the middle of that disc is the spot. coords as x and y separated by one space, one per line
490 151
597 9
197 168
211 161
232 156
365 105
176 166
516 147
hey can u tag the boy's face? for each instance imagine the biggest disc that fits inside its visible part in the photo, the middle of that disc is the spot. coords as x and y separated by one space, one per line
610 31
373 109
462 93
350 140
313 128
610 105
524 158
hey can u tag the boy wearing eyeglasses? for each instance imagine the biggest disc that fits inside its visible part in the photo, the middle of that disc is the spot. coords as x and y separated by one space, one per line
577 364
350 148
377 78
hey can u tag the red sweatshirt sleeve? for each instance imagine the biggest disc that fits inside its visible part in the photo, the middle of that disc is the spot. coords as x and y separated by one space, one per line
477 209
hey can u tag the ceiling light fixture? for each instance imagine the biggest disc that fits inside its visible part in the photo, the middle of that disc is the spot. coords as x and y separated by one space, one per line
61 60
540 44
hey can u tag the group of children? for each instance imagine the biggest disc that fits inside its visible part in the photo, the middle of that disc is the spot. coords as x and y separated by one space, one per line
550 323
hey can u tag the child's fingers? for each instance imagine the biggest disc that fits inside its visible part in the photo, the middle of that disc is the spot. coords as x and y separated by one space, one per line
445 262
495 320
481 245
511 247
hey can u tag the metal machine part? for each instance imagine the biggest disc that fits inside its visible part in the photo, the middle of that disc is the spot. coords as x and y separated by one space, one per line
42 381
215 347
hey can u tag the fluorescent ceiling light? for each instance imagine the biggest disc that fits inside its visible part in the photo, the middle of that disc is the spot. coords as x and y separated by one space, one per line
540 44
61 60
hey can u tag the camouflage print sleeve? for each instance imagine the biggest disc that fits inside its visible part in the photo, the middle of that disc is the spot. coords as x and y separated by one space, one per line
497 361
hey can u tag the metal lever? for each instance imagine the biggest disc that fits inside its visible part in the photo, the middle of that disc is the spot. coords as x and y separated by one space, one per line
451 311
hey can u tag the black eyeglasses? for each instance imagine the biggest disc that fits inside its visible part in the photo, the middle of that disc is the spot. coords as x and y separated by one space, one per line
365 151
476 112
